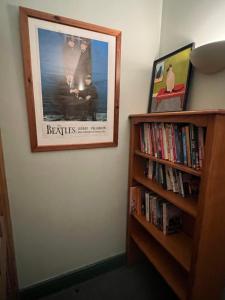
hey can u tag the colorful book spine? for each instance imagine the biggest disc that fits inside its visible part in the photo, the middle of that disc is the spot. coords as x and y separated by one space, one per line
167 141
154 139
184 146
193 146
197 166
147 209
188 145
201 145
173 144
177 144
160 128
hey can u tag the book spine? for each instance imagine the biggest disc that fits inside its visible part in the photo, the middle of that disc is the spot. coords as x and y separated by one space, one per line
139 202
167 141
184 144
188 146
168 180
158 145
150 169
177 144
156 172
201 145
178 181
173 143
150 208
147 215
172 179
164 141
161 141
164 177
150 139
181 184
164 217
132 206
175 181
145 140
154 210
158 214
196 147
154 139
193 148
142 202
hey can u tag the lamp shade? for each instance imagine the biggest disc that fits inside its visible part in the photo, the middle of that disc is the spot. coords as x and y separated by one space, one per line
209 58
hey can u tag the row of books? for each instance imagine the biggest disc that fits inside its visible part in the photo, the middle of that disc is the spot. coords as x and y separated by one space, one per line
164 215
180 143
172 180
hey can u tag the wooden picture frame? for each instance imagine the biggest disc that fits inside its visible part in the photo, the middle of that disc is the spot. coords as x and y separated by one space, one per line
72 82
171 76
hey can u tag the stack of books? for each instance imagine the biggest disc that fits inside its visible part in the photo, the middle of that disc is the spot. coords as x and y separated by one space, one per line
180 143
164 215
173 180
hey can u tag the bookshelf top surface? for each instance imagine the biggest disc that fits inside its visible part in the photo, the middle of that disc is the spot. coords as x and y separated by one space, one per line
181 113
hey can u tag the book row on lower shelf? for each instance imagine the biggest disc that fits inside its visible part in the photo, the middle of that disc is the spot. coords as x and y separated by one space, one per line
180 143
173 180
164 215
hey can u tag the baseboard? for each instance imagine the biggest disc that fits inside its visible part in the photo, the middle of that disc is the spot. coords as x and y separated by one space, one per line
67 280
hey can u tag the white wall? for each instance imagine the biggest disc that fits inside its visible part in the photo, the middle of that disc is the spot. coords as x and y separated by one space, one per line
69 207
200 22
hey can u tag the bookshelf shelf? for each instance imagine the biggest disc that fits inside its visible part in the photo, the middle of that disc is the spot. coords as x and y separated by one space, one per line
179 245
170 164
188 205
171 272
185 259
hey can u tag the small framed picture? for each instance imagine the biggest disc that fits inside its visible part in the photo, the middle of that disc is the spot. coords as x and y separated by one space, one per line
72 72
170 81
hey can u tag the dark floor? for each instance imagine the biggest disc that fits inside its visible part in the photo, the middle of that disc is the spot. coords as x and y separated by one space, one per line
139 282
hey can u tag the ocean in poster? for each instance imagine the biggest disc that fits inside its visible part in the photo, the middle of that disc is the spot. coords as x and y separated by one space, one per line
54 69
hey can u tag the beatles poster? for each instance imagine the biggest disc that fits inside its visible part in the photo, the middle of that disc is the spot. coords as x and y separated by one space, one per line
74 76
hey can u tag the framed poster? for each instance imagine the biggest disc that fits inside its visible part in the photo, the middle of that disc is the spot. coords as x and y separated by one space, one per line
170 81
72 73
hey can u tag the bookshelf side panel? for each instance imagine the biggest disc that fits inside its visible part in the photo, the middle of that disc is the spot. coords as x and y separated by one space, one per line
133 253
208 264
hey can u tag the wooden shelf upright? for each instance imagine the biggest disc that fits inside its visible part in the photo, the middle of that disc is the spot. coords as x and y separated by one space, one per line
192 261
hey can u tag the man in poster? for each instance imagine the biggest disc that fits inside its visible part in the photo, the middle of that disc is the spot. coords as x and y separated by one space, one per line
87 99
71 55
77 68
83 67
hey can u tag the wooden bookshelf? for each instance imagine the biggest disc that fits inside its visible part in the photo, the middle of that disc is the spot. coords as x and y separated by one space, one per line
187 259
